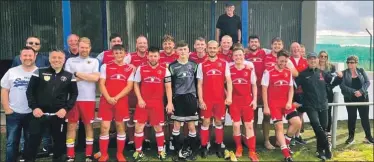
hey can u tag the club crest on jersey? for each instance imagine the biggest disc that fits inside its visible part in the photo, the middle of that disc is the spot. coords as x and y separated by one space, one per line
88 62
219 64
285 75
47 78
63 78
245 74
159 72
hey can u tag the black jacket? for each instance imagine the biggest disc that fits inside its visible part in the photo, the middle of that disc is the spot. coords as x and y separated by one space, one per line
51 91
313 82
346 85
329 87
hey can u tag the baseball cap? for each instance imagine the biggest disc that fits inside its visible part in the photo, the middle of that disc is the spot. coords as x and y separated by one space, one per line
311 54
228 4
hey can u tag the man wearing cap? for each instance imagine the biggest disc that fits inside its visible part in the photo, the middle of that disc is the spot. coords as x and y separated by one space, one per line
229 24
313 83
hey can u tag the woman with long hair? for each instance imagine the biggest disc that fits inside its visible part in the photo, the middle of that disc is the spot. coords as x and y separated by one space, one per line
327 66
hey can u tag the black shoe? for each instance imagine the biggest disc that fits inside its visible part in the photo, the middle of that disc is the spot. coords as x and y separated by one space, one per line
147 145
220 152
300 140
328 153
130 146
204 151
43 152
369 140
350 140
320 154
289 159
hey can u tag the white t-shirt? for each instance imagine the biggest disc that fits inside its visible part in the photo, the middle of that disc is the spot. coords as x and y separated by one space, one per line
16 80
200 74
86 90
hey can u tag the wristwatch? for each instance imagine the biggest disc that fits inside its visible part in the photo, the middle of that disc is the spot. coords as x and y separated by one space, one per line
75 74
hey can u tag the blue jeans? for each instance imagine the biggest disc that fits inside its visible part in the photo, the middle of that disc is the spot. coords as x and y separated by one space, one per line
15 122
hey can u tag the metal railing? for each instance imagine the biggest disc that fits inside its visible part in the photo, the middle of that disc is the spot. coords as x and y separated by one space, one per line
335 105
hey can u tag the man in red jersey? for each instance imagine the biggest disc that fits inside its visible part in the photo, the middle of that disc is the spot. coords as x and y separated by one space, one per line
244 102
106 57
271 58
150 81
116 81
300 64
137 58
212 75
225 49
168 55
257 56
199 55
277 94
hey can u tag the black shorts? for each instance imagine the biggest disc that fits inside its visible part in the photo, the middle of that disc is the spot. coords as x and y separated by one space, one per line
185 108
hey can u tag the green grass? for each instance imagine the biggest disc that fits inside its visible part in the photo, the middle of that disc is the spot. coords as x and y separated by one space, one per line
355 152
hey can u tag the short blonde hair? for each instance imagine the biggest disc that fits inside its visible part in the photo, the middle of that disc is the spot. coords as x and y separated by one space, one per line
227 37
85 40
352 58
213 41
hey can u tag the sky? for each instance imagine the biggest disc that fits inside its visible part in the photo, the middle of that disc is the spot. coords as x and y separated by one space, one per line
344 17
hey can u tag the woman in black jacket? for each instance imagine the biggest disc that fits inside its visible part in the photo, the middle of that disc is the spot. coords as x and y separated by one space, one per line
326 66
354 88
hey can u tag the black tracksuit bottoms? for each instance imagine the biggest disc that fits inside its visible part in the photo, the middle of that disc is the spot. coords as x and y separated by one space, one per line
57 127
318 119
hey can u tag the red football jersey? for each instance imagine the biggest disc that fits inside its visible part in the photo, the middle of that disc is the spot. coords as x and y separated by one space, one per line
227 57
257 58
300 66
213 75
108 57
116 77
197 59
242 80
137 60
168 59
278 83
270 61
151 81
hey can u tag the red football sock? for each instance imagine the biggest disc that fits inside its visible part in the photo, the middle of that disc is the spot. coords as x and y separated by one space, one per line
89 148
121 138
288 139
204 135
160 141
251 142
285 151
70 152
103 145
219 134
138 139
238 142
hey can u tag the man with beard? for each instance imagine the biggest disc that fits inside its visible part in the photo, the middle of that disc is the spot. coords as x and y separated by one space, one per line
277 94
313 83
51 93
300 64
41 59
137 58
168 55
72 51
86 70
225 49
212 75
13 98
150 81
199 55
106 57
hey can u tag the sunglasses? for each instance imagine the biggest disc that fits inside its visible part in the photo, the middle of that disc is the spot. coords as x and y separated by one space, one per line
33 43
323 56
351 62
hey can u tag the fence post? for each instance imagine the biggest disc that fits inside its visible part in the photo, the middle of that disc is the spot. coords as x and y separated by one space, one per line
334 119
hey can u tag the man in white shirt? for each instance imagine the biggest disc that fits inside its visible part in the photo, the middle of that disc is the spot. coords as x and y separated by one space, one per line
86 70
13 98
